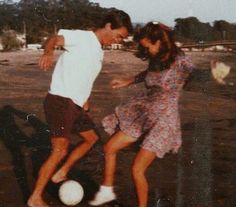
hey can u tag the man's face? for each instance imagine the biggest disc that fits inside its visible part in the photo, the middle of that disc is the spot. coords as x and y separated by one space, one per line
114 35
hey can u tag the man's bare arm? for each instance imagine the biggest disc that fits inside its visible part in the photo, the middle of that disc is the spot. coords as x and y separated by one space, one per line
47 58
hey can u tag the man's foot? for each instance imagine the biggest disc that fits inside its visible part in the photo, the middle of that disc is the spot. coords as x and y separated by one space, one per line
36 203
58 177
103 196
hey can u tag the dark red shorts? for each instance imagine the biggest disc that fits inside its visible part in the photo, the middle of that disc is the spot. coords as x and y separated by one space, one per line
65 117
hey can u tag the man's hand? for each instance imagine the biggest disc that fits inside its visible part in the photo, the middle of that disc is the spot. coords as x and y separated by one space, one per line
119 83
46 61
86 106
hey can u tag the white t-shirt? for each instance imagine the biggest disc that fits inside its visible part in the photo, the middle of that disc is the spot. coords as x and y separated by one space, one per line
78 66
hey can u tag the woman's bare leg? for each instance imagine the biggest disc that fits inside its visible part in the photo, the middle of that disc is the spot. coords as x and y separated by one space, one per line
111 148
142 160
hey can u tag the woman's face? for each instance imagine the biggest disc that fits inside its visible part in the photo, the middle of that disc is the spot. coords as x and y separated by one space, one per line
153 48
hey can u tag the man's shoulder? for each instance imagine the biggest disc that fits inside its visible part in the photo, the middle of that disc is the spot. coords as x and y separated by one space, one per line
74 31
76 36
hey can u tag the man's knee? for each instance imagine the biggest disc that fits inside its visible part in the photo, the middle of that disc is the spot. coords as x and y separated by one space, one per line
60 152
92 140
60 147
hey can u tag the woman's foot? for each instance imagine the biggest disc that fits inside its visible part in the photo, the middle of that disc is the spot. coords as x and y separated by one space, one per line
36 202
59 176
104 195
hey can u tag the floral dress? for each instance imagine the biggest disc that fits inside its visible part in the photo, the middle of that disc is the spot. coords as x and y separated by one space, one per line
154 114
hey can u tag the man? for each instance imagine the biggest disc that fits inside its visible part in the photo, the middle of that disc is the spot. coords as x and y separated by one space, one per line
72 81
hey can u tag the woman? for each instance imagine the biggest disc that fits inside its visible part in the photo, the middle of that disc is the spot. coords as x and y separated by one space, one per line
152 115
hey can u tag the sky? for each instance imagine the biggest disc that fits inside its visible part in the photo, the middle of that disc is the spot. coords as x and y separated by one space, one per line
166 11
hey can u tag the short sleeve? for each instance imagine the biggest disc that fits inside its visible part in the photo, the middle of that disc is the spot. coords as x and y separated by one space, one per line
71 37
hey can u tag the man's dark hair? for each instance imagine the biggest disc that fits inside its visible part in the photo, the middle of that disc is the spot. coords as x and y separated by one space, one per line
118 18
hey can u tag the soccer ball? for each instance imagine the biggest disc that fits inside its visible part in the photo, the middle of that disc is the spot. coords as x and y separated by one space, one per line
71 192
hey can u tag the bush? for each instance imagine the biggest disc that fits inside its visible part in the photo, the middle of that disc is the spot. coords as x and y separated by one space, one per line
10 41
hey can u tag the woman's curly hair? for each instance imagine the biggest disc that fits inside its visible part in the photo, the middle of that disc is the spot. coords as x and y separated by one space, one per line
168 50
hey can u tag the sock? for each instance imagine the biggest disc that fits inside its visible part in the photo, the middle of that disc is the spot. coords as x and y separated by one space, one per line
106 189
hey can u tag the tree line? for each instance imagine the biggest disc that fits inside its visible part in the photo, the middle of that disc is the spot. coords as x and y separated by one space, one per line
192 30
40 18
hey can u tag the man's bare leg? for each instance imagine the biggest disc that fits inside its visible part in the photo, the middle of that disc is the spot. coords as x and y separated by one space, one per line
59 151
90 138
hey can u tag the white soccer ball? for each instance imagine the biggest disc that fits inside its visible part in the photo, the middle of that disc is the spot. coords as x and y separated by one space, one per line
71 193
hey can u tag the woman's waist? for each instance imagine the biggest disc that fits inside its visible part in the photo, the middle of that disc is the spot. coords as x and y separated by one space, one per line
158 91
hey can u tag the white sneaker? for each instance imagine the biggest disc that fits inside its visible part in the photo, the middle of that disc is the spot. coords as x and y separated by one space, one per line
102 196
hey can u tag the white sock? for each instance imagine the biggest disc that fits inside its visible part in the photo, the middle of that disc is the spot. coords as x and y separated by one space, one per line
106 189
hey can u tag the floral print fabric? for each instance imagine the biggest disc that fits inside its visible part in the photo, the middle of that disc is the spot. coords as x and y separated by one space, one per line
154 114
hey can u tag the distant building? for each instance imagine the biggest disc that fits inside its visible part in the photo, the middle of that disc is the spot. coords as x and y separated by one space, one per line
34 46
116 46
129 39
127 43
178 44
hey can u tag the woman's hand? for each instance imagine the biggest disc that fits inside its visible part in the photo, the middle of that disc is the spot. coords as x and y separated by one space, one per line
120 83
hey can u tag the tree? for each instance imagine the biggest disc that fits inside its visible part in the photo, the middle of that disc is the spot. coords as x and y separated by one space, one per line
41 18
10 41
225 30
9 15
44 17
192 29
